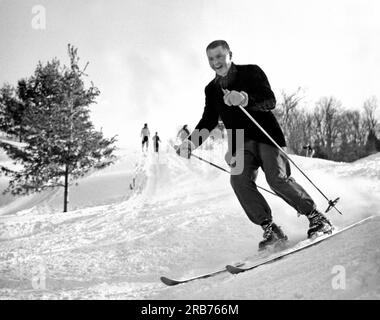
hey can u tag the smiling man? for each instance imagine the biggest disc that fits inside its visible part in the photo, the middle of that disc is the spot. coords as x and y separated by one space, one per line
248 86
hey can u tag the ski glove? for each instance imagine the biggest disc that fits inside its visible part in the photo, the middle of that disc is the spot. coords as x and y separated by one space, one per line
235 98
185 149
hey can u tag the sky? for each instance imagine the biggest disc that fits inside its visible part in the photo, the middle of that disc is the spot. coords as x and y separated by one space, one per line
148 57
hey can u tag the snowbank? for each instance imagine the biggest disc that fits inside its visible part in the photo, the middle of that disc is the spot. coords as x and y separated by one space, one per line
181 218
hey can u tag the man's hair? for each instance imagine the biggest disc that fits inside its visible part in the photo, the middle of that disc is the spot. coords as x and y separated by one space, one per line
218 43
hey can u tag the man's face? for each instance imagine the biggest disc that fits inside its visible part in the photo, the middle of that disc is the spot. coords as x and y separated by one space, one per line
219 60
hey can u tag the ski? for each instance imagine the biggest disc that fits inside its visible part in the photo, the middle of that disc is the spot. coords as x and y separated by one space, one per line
298 247
174 282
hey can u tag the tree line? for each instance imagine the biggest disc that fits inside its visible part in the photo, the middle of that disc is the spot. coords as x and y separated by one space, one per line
334 132
49 114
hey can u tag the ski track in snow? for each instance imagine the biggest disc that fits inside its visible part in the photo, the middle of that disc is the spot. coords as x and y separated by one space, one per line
180 220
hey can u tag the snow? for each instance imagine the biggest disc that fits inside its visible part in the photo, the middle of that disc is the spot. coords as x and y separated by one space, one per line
180 220
110 185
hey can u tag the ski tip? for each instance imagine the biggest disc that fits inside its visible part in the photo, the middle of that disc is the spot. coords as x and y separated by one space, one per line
233 269
169 282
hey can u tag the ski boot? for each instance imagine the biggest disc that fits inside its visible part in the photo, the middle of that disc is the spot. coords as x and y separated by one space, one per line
273 237
318 225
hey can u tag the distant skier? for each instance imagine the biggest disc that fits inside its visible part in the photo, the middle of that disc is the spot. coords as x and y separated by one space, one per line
132 185
248 86
156 141
220 126
145 134
183 133
309 151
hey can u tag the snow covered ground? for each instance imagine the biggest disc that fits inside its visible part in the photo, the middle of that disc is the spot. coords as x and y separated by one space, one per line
181 219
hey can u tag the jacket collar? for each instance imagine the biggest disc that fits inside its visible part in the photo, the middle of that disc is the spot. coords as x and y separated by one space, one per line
227 79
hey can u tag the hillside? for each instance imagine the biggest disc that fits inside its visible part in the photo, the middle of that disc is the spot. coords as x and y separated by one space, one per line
182 219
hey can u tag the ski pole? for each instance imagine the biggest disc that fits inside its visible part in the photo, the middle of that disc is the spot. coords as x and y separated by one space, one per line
331 203
216 166
220 168
210 163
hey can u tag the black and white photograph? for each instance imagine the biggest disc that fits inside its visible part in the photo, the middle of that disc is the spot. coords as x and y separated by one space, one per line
199 151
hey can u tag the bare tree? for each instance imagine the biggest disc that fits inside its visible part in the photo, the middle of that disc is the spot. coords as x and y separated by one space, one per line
326 114
286 107
371 124
351 136
298 133
370 107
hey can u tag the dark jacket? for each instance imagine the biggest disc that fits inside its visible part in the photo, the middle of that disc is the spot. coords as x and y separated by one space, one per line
252 80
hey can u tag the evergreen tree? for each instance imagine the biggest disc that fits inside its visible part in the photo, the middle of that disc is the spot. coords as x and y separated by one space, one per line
60 141
11 112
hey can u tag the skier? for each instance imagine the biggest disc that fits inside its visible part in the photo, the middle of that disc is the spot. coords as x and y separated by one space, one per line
309 151
156 140
247 86
183 133
220 126
145 134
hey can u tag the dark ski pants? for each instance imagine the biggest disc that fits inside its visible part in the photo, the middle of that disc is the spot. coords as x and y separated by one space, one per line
277 173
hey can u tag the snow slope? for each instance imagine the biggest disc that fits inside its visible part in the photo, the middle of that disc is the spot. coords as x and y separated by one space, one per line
182 219
110 185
